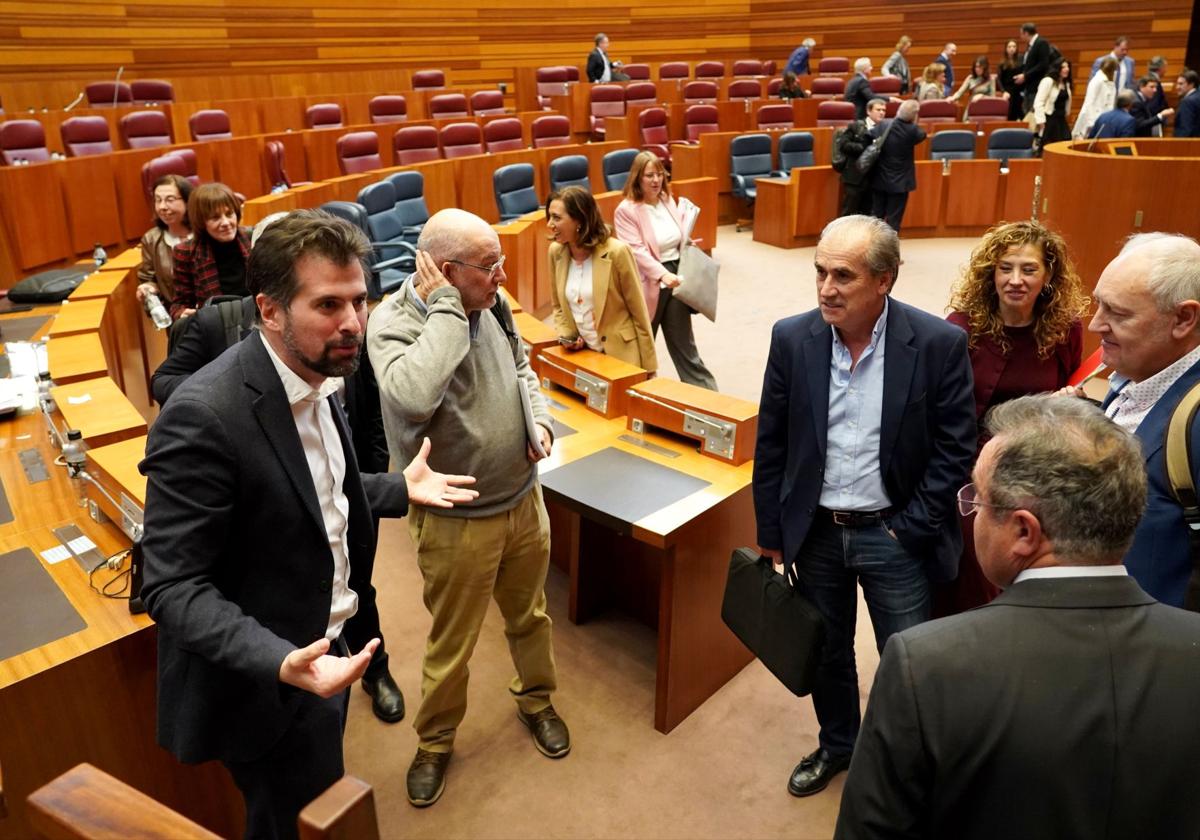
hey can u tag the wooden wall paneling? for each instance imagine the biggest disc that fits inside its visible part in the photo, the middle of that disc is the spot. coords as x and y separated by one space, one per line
541 261
293 154
36 216
281 113
89 189
804 112
732 116
238 163
320 152
775 211
1019 186
971 193
817 200
525 89
925 203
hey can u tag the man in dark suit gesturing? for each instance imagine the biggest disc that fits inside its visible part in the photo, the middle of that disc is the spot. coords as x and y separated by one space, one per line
1035 63
1064 708
866 429
259 542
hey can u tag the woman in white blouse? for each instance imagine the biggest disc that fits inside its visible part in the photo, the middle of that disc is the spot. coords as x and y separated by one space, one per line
596 293
1100 97
648 219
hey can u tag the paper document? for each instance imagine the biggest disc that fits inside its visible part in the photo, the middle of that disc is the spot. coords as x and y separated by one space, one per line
688 212
531 426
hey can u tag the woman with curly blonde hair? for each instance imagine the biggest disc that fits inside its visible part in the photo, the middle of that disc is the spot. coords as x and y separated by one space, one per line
1022 304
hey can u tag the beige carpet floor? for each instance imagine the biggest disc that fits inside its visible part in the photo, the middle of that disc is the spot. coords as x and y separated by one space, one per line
722 772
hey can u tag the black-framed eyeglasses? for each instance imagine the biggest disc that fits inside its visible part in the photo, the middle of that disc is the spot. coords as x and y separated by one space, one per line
491 270
969 502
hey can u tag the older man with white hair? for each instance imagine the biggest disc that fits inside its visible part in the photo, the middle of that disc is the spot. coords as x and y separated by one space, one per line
895 173
453 371
1148 320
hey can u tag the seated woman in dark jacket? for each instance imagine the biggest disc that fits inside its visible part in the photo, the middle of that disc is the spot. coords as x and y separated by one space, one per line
214 261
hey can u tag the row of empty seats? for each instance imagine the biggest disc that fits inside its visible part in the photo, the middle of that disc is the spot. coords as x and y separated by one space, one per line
157 91
394 108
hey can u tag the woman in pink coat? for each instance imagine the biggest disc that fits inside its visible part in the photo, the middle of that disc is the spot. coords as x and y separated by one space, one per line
649 222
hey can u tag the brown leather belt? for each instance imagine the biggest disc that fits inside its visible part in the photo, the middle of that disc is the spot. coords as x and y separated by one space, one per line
854 518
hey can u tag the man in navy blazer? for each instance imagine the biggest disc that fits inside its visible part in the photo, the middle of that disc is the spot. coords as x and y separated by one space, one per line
946 59
1115 123
1148 320
259 541
1124 76
866 430
1187 121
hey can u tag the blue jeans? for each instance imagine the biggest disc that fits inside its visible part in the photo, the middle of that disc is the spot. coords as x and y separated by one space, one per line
832 559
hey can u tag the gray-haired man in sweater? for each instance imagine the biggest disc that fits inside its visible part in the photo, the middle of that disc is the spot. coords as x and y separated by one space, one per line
447 370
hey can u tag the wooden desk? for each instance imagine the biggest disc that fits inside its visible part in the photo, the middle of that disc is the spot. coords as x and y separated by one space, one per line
74 358
78 317
89 696
98 285
668 568
106 416
116 467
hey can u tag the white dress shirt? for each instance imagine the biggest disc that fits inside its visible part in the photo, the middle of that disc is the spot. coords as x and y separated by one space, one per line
1135 399
1046 572
666 230
582 302
327 466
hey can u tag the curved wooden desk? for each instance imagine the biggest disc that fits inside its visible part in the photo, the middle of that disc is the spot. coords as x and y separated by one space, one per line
1096 199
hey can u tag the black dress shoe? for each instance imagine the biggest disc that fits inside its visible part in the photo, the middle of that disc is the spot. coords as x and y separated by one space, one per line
386 700
427 777
814 772
549 732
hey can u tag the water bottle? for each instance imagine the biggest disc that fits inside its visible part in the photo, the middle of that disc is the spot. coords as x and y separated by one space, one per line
45 401
99 255
156 311
76 461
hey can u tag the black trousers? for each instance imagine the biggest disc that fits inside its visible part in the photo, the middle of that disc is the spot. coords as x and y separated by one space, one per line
362 627
301 766
889 207
856 198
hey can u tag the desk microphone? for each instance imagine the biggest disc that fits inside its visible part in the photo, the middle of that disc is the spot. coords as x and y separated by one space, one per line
1099 134
117 85
75 101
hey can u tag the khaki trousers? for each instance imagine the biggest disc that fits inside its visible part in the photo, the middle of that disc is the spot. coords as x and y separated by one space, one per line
465 563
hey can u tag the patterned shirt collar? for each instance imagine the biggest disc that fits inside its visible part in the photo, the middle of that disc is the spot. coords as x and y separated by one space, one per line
1141 396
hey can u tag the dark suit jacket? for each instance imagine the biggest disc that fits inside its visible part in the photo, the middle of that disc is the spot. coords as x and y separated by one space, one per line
1114 123
1187 116
1144 117
1159 558
238 568
858 91
896 170
595 65
1065 708
854 139
1035 65
196 278
926 445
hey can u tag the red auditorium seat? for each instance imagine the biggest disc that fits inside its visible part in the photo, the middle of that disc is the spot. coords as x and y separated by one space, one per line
151 91
828 88
699 119
637 72
773 87
23 140
551 81
745 89
885 85
769 68
358 151
937 111
835 114
428 79
652 125
703 91
572 73
606 101
710 70
833 65
101 94
275 156
460 140
987 109
776 116
84 136
388 108
673 70
210 124
748 67
551 130
641 93
448 106
146 129
503 135
487 102
323 115
415 143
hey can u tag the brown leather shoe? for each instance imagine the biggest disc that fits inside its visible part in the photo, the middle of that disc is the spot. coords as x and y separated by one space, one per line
549 732
427 777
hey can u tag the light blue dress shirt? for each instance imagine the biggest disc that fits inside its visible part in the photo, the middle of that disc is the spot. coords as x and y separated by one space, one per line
852 478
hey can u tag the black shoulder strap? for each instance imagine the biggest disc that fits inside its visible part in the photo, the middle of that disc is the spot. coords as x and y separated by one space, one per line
504 315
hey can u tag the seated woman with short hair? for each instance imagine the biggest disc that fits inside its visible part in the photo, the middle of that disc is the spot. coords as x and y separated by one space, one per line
156 275
213 262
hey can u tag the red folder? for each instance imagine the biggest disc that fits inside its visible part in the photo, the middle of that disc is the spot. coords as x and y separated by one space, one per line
1091 367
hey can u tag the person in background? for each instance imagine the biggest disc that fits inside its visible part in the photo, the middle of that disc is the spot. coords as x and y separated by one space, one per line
1117 122
979 83
1158 71
946 59
1053 104
897 63
1009 68
1035 64
1187 124
213 261
1022 304
932 84
798 61
596 291
1101 96
858 89
853 141
1123 74
894 175
600 68
648 220
1149 121
156 274
790 88
1065 707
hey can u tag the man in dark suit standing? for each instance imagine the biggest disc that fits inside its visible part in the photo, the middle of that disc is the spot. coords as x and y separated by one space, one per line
1148 320
599 67
858 89
1065 707
1187 124
894 175
946 59
1117 122
853 141
259 542
1035 63
866 429
1148 122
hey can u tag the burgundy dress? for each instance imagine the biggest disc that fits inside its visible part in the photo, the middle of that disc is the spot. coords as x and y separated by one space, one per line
1000 377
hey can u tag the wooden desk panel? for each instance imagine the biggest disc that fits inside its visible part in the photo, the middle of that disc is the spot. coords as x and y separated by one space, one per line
817 194
106 416
293 154
703 192
35 217
972 192
520 267
238 163
98 284
78 317
320 148
281 114
75 358
1019 188
473 179
925 203
128 258
775 211
89 187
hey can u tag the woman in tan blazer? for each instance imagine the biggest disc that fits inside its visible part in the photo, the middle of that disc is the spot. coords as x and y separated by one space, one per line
597 292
